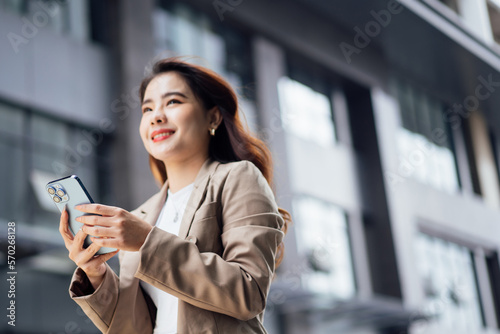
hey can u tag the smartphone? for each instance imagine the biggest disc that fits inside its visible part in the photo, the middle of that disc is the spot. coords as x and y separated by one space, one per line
68 192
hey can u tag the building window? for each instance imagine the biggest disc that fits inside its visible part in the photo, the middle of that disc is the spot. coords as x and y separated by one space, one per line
305 101
39 149
306 113
323 238
181 30
424 141
448 277
62 16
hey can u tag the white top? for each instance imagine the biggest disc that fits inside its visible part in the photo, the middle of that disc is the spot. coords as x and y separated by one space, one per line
169 220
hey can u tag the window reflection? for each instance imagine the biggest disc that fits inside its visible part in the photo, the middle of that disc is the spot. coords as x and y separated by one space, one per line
305 113
450 288
424 141
322 236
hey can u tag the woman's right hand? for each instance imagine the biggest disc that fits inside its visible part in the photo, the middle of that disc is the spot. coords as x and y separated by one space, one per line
93 265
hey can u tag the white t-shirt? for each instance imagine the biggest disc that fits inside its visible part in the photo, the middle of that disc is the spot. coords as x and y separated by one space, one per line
169 220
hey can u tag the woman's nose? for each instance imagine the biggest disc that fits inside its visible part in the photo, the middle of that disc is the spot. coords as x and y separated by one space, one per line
158 117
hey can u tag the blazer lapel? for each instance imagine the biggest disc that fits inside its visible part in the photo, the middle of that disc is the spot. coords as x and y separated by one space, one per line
197 196
151 210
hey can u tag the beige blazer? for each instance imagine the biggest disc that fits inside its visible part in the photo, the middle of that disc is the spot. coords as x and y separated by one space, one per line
220 266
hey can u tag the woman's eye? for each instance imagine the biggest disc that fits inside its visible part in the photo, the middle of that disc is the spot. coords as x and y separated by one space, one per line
172 102
146 110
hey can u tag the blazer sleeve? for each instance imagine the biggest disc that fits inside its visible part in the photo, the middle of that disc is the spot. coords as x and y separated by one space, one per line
235 283
99 305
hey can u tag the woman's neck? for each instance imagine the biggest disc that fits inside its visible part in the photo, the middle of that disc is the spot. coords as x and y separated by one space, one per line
183 173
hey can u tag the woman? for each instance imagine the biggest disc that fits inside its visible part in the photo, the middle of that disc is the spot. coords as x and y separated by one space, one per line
200 255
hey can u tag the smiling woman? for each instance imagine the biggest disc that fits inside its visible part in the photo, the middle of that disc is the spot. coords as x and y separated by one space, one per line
200 255
175 125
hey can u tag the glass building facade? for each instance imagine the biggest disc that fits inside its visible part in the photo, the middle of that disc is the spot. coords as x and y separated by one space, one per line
381 118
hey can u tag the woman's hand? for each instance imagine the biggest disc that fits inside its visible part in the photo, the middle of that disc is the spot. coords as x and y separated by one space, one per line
93 266
117 228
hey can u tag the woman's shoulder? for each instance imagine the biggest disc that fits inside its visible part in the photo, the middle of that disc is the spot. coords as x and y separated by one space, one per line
241 167
243 175
243 171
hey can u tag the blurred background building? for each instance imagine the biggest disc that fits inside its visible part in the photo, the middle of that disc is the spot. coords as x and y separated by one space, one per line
383 121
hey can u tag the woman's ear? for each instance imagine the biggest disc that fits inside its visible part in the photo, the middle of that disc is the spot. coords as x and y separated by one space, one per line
214 117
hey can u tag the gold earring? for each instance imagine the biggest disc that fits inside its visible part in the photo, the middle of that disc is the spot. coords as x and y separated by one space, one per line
212 131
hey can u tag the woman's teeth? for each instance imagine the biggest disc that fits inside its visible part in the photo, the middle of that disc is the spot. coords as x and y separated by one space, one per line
163 134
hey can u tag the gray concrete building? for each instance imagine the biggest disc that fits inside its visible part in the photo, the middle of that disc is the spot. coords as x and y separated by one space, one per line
381 117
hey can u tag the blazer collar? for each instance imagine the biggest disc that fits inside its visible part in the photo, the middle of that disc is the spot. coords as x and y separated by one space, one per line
151 209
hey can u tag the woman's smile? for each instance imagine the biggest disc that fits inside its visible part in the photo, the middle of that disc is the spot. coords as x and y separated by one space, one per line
161 134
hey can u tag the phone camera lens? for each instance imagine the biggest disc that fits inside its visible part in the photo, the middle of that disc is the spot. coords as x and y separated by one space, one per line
51 190
61 192
57 199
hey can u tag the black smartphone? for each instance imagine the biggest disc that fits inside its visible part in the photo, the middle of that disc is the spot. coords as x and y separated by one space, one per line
68 192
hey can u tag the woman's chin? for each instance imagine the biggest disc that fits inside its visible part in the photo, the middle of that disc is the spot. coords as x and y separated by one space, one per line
162 155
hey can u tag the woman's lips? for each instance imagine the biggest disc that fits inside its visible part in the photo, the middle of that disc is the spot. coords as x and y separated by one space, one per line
160 135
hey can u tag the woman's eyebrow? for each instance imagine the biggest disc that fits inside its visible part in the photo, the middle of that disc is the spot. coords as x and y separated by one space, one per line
164 96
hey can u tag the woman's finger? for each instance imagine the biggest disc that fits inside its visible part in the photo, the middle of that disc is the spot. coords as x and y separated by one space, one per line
105 242
95 220
103 257
99 231
79 239
84 258
94 265
64 229
98 209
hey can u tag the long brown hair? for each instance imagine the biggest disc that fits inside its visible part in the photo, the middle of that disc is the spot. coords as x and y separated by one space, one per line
233 141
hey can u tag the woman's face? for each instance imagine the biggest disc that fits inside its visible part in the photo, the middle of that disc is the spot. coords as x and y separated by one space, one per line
174 125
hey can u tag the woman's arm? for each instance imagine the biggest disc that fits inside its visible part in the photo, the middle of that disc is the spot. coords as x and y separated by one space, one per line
237 282
98 304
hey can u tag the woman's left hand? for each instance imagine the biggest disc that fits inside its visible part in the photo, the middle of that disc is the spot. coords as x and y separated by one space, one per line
116 227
